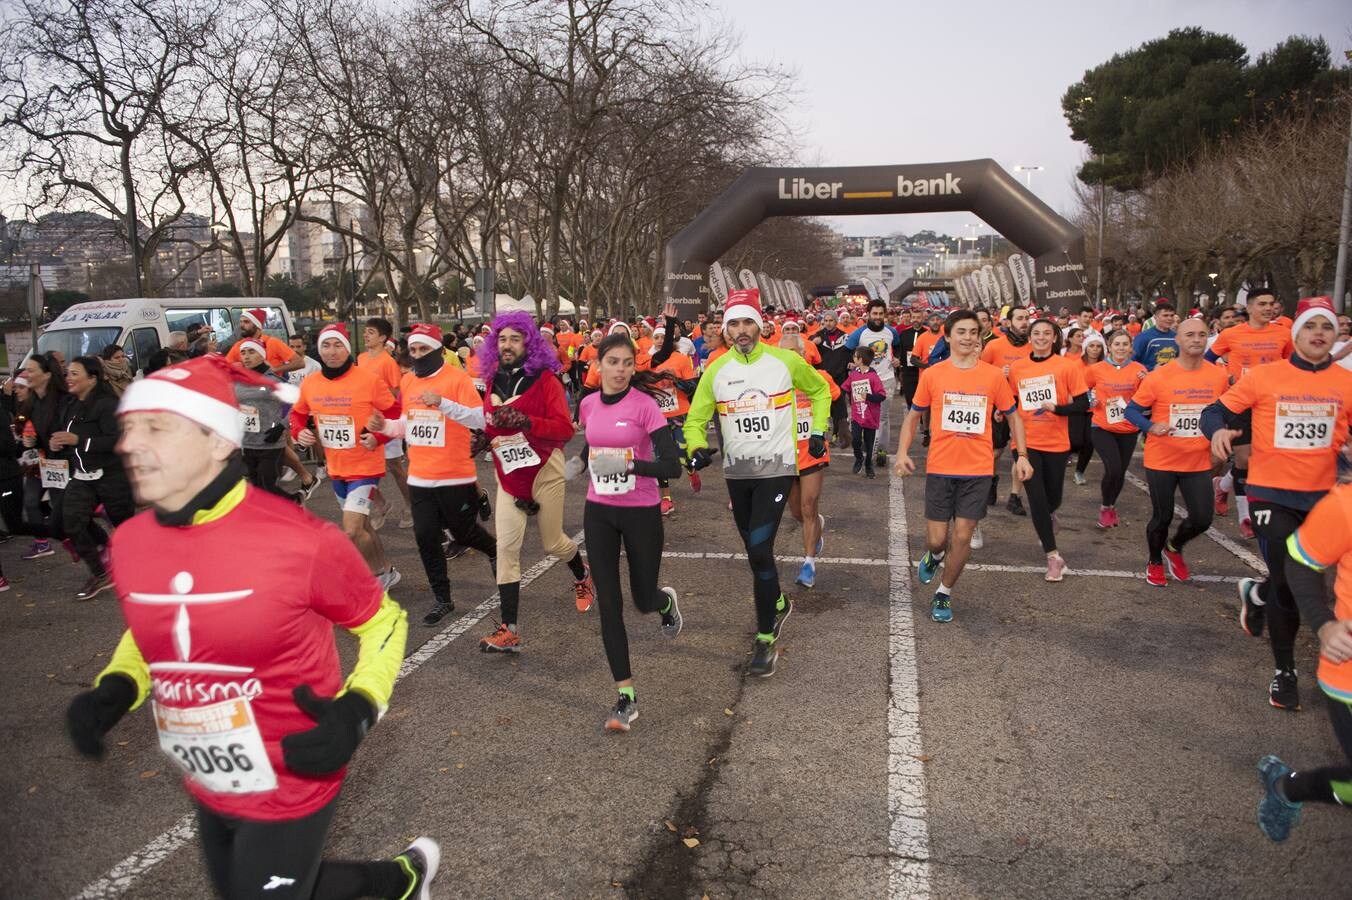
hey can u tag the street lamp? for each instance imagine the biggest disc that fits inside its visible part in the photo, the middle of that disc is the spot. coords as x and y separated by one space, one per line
1028 173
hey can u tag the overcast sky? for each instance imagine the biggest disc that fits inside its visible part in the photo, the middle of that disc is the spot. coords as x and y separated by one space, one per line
896 81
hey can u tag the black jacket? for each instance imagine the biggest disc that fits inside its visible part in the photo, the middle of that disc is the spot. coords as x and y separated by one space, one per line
835 355
94 421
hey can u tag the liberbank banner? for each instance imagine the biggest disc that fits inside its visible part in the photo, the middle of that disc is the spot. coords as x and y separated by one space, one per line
978 186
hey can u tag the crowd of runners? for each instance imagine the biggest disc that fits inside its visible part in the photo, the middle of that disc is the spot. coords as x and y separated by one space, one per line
1244 409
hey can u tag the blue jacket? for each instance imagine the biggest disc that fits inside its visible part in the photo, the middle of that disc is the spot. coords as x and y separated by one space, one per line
1153 347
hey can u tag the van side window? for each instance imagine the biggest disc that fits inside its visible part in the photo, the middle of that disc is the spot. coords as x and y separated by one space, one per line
180 319
275 325
143 344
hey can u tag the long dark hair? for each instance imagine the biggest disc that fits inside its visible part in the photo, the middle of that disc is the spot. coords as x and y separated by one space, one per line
648 381
48 363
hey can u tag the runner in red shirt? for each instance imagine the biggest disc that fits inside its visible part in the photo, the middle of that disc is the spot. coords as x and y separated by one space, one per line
240 662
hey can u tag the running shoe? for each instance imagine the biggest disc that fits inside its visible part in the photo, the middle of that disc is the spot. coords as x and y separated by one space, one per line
623 715
1154 574
485 508
1113 513
667 506
378 513
782 615
695 484
928 567
502 640
881 459
1251 614
406 520
763 659
858 465
1056 568
1015 505
1080 479
807 575
389 578
70 548
1222 498
1246 529
584 593
941 608
672 620
288 475
978 539
308 490
420 861
454 549
869 471
1283 692
1276 815
4 584
1105 519
1178 569
96 585
438 612
821 535
39 549
106 558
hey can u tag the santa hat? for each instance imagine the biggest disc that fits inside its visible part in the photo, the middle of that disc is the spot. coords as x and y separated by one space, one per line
544 328
425 333
649 321
202 390
391 345
596 332
744 304
791 321
251 344
334 330
616 325
257 316
1310 307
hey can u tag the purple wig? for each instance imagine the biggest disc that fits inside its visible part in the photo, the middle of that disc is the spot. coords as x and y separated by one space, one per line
540 357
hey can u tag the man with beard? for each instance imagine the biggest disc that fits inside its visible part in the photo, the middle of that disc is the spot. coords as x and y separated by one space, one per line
830 341
885 343
1002 352
280 357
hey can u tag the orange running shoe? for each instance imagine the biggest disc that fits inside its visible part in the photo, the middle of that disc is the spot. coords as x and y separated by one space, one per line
585 592
503 640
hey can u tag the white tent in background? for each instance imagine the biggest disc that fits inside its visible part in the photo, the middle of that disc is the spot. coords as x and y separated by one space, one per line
507 303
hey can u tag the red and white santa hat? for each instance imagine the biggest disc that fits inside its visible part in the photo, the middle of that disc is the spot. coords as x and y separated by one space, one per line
257 316
251 344
426 334
202 390
743 304
791 321
616 326
1311 307
334 330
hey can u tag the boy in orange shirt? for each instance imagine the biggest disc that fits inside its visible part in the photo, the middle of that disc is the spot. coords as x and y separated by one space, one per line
376 335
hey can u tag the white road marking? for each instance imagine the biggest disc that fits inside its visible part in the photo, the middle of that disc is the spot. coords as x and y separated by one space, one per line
1097 573
908 832
826 560
1242 554
122 876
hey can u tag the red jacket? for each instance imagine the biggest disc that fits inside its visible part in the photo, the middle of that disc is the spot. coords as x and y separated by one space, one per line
551 426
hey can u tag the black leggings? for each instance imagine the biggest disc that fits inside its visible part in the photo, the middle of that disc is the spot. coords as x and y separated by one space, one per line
284 861
11 510
1195 487
1274 524
639 530
82 498
862 439
1115 451
1080 440
757 507
262 466
454 507
1332 784
1044 491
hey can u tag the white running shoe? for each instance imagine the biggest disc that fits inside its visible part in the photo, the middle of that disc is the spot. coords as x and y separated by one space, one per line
977 540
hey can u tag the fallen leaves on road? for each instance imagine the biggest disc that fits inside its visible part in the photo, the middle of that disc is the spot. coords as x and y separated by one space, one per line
692 843
150 773
671 826
727 711
923 757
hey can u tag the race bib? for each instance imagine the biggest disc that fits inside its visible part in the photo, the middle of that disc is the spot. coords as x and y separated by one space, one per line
1186 419
1115 410
426 428
1304 426
337 432
1033 392
217 746
480 385
513 452
752 421
859 391
803 423
55 474
667 402
964 413
612 484
249 416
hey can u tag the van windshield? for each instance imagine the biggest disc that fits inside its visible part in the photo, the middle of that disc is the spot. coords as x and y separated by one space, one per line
73 342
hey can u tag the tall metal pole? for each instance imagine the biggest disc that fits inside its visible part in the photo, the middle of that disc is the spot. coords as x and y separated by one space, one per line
1098 275
1340 273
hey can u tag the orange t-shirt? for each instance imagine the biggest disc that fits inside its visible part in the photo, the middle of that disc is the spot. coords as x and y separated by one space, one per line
715 354
645 345
1055 379
438 448
1133 328
1000 352
960 430
673 402
1283 321
803 424
275 351
1113 389
1325 539
1300 421
1245 347
384 365
587 353
1176 397
341 408
924 343
642 363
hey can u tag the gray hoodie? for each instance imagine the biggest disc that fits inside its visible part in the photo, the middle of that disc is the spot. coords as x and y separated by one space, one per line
262 411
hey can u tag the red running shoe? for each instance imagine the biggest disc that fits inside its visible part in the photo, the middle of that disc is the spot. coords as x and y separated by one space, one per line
1154 574
1246 529
1178 569
1222 498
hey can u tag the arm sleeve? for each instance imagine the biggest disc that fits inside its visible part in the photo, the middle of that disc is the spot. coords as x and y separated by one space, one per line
1078 404
557 422
466 407
852 339
380 653
666 461
668 341
1138 348
104 438
1215 417
1138 415
701 411
128 662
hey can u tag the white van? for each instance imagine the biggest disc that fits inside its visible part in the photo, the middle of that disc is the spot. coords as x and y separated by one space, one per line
141 325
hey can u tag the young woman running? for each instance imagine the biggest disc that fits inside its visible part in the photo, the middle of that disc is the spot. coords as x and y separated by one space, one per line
1113 381
1049 388
1078 423
630 447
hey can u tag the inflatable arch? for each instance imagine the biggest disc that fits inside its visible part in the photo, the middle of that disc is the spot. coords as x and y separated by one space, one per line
978 186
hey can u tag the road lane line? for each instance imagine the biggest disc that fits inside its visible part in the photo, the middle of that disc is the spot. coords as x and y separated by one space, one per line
828 560
1241 553
122 876
908 831
1097 573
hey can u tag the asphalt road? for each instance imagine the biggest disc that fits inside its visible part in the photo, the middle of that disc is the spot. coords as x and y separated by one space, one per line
1095 738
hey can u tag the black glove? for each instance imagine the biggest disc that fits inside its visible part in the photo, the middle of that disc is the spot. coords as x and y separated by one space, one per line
326 748
700 459
816 446
274 434
92 714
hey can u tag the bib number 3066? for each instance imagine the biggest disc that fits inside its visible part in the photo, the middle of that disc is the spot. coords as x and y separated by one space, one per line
218 746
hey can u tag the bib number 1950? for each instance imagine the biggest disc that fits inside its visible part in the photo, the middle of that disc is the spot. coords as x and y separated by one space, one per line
750 426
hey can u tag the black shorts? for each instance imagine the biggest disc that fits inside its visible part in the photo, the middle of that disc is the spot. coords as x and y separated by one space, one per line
1000 433
1244 422
956 498
818 467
